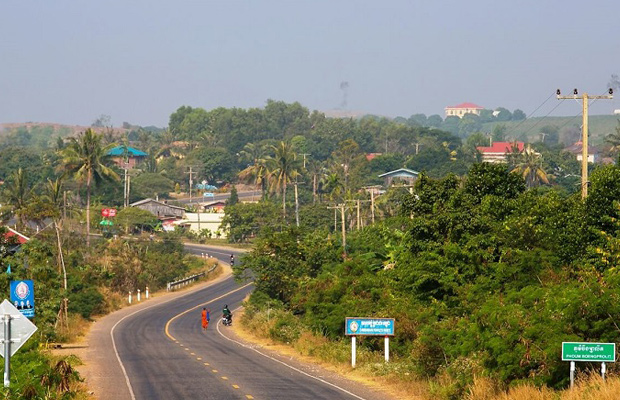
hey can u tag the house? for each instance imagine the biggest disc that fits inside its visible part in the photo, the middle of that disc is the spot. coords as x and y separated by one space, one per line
577 150
161 210
498 150
403 174
462 109
214 206
197 222
13 234
126 156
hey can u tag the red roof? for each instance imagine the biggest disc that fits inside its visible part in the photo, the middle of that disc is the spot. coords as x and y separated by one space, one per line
501 147
21 239
370 156
468 105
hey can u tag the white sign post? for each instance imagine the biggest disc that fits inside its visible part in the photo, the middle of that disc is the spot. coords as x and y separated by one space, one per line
369 327
17 330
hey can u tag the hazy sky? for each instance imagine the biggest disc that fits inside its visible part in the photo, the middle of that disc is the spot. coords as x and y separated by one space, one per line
139 60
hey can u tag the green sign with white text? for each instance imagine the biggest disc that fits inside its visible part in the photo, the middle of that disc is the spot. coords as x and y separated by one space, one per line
593 352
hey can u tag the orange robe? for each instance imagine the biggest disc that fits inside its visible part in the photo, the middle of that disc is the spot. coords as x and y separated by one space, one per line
205 322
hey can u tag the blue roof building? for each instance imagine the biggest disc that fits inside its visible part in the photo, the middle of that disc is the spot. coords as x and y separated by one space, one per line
126 157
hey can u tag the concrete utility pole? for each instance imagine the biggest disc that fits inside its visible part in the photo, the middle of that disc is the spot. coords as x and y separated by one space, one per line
341 207
584 133
305 154
191 181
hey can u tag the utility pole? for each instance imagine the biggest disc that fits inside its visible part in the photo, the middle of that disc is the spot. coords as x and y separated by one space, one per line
296 204
584 133
305 154
341 207
191 181
372 200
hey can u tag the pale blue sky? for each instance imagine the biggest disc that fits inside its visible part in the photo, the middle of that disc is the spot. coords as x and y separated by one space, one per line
139 60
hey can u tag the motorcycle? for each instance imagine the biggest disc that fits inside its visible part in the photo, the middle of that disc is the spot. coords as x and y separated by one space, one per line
227 321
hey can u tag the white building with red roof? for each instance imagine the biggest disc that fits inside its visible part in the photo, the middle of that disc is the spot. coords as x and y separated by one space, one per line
498 150
462 109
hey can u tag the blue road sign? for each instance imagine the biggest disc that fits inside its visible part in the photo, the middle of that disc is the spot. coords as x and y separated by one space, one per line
369 326
22 297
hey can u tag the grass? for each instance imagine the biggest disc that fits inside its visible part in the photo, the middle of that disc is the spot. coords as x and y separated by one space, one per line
396 377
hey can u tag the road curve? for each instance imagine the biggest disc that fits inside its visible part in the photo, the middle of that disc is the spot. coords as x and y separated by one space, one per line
162 353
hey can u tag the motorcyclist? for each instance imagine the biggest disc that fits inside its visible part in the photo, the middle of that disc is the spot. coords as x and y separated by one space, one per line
232 259
227 314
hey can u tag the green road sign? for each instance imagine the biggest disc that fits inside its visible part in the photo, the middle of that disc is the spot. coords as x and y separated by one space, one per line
593 352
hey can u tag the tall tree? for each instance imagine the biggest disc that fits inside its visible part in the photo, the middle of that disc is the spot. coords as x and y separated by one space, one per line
17 194
84 158
283 167
528 163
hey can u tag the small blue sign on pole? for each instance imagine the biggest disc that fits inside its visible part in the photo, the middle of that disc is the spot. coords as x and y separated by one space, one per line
22 297
369 327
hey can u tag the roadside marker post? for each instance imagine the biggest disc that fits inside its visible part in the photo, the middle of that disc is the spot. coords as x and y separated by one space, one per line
588 352
369 327
16 331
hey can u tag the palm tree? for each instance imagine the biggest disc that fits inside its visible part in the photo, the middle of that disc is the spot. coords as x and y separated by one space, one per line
283 168
257 171
529 164
84 158
17 194
333 185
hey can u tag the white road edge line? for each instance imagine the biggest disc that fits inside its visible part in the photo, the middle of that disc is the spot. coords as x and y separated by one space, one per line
285 364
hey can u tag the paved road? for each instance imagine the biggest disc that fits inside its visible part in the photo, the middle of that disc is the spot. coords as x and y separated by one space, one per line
165 354
252 195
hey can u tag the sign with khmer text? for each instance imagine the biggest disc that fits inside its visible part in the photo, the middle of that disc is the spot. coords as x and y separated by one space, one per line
592 352
369 326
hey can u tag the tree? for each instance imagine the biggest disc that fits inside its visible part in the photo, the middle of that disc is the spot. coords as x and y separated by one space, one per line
234 197
503 114
133 217
518 115
148 184
283 168
84 158
434 121
17 194
528 163
613 139
499 133
493 179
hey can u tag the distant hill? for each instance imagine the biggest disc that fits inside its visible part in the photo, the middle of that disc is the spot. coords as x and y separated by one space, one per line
53 128
599 126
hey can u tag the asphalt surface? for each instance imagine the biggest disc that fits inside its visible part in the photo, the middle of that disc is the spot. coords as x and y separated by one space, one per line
158 350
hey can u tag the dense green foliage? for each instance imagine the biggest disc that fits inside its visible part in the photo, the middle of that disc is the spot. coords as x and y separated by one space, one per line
482 276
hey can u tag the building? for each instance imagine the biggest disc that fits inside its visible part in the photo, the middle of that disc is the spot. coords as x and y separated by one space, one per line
577 148
126 156
462 109
161 210
498 150
197 222
403 174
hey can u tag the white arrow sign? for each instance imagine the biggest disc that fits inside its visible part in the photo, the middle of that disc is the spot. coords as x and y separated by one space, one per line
20 327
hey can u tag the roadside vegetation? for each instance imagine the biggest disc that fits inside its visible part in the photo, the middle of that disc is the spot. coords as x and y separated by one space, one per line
486 268
484 277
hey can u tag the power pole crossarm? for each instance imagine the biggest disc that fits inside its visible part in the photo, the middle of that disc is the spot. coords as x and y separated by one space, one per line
584 133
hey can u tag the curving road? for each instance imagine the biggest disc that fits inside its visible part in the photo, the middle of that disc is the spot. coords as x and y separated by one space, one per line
161 352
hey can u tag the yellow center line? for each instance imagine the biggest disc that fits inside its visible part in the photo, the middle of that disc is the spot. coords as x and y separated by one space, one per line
214 370
249 396
167 329
199 358
235 386
206 363
225 378
193 354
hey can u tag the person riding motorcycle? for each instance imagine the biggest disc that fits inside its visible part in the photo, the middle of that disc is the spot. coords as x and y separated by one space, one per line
232 260
227 315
